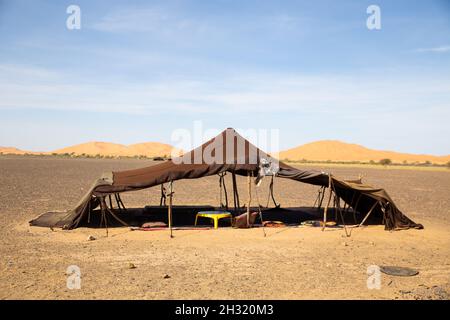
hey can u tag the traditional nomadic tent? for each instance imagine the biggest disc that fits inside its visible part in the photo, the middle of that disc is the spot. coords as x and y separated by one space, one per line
229 152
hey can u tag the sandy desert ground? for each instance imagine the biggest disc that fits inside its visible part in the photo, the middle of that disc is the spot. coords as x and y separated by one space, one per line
290 263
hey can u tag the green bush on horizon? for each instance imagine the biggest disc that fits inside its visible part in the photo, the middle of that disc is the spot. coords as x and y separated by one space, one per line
385 162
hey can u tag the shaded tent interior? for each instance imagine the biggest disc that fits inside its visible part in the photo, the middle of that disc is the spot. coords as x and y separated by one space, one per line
185 216
342 200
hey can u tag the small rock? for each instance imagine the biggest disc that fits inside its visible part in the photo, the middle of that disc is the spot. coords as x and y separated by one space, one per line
166 276
91 238
345 244
131 265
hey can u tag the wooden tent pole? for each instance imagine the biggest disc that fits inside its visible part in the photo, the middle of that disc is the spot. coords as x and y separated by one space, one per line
271 193
233 178
328 203
117 201
235 193
249 185
169 211
103 207
121 202
116 217
110 201
338 207
259 208
322 196
368 214
225 191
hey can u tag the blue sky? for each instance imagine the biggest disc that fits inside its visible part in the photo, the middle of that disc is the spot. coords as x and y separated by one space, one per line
138 70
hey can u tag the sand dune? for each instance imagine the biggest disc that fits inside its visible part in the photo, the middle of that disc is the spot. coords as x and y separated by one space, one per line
324 150
334 150
12 150
149 149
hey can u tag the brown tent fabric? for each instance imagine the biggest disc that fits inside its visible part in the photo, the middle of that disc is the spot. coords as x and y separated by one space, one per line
228 152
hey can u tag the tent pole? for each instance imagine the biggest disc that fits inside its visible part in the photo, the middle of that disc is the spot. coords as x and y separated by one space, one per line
224 187
356 206
169 211
368 213
321 198
225 191
233 178
249 185
103 213
110 201
117 202
338 202
116 217
162 200
235 193
259 209
271 193
89 211
121 202
328 203
347 207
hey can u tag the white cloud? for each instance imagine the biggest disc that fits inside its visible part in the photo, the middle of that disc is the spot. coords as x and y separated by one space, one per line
131 20
150 20
434 49
327 95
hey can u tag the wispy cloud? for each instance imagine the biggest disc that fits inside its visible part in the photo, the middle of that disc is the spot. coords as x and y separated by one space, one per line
132 20
153 20
439 49
242 93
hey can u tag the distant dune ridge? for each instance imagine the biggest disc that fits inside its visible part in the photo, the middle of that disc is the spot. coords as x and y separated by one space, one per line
12 150
148 149
338 151
325 150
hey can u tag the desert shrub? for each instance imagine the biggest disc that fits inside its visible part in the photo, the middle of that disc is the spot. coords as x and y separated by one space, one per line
448 164
385 162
